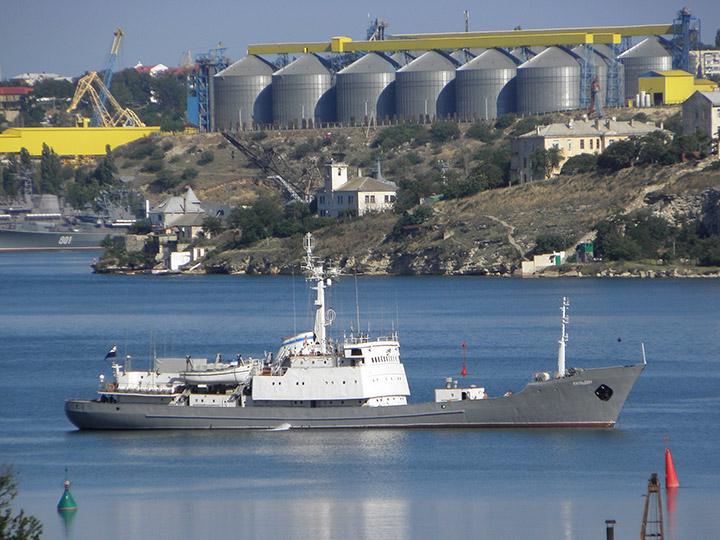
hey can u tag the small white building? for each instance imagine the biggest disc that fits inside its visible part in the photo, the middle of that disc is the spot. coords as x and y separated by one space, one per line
543 261
176 210
701 112
357 196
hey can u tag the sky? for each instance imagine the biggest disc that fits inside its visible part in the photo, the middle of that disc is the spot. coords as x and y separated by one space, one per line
70 37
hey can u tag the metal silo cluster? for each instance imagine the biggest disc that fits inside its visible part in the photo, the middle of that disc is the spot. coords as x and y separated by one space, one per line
468 85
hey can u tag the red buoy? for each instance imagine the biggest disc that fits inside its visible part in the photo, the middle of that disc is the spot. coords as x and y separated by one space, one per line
464 370
671 480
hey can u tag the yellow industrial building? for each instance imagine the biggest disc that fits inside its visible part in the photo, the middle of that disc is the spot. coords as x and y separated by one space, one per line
671 87
71 141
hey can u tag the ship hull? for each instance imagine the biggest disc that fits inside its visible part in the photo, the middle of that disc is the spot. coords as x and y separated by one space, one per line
20 240
580 400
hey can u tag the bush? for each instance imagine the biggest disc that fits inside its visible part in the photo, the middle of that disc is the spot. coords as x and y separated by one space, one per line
441 132
140 227
549 243
166 146
259 136
190 173
395 136
505 121
482 131
153 166
619 155
582 163
165 180
206 157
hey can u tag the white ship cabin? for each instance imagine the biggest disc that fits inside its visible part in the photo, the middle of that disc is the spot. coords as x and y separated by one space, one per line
356 372
451 392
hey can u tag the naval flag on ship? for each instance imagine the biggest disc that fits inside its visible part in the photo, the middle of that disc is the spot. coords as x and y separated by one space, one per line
112 353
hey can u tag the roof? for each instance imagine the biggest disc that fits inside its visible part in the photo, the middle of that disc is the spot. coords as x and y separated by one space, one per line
584 128
14 90
307 64
431 61
552 57
670 73
649 47
712 97
249 65
371 63
366 183
187 204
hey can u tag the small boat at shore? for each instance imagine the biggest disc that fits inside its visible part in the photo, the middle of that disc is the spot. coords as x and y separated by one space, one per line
358 381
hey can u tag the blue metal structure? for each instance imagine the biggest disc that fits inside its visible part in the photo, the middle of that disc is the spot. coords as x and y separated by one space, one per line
200 87
587 74
96 120
616 79
686 30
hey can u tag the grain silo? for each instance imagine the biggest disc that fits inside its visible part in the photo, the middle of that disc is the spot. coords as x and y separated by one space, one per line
424 88
242 94
648 55
549 82
302 92
485 87
366 89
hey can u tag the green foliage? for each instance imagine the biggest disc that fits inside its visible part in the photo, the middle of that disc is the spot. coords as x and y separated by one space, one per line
206 157
88 185
142 148
25 159
633 238
528 123
619 155
142 226
18 526
190 173
53 88
674 123
267 217
640 117
132 88
166 145
395 136
153 166
259 136
482 131
165 180
441 132
213 226
582 163
505 121
420 215
545 161
10 185
707 251
50 171
549 243
175 158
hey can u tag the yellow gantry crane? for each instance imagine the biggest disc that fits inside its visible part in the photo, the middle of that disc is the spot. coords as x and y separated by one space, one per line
112 114
107 112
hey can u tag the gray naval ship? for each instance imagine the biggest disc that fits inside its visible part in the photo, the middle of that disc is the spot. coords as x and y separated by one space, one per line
356 382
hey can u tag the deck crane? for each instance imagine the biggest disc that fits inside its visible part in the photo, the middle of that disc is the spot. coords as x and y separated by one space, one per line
107 78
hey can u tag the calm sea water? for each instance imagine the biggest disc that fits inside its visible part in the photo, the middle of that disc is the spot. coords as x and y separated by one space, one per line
58 320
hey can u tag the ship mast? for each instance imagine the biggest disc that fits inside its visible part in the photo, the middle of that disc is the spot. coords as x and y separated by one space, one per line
563 337
315 272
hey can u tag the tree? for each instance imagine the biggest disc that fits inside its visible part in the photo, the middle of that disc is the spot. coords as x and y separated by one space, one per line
212 226
14 527
545 161
619 155
441 132
50 171
717 39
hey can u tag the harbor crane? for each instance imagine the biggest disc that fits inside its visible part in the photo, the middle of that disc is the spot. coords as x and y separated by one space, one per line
112 114
277 169
107 112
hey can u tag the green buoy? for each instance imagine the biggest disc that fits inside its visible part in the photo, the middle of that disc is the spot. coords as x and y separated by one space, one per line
67 503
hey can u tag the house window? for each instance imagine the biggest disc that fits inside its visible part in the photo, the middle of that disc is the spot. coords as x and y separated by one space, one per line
341 199
597 144
524 163
350 199
322 199
369 198
591 144
569 144
582 144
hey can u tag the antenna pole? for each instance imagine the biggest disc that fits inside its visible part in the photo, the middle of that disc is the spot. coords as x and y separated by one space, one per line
563 336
